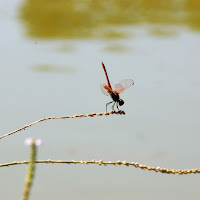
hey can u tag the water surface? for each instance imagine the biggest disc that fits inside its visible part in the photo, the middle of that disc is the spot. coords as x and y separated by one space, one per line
51 54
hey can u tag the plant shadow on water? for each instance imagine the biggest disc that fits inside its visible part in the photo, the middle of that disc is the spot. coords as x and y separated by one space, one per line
100 19
53 69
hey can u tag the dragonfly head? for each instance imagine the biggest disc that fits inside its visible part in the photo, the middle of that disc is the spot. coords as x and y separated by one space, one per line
121 102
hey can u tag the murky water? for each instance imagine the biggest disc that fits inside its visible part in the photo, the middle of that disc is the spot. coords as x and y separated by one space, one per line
51 54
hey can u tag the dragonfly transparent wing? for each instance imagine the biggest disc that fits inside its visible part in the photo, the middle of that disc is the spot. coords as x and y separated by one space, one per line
104 91
123 85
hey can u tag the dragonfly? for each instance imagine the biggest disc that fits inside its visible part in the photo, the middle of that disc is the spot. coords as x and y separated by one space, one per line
114 94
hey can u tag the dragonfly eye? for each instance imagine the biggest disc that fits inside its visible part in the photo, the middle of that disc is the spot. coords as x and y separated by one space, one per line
121 102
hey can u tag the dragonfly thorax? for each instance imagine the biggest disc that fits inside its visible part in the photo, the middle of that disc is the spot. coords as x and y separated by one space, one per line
116 98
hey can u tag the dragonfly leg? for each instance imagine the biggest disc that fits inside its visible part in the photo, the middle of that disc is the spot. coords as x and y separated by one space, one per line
108 104
113 106
117 106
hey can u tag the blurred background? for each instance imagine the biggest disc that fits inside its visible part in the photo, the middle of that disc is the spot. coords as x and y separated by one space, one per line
51 54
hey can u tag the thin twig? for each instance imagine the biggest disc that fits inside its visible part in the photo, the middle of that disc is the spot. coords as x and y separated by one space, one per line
118 163
120 112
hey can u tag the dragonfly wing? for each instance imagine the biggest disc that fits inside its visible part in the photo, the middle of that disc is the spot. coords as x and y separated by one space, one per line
123 85
104 91
119 88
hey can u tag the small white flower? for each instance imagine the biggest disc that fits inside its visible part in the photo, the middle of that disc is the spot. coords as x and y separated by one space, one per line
29 142
39 142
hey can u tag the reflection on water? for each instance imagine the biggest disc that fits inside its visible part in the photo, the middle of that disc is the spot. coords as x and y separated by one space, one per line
117 48
66 48
53 69
162 31
83 19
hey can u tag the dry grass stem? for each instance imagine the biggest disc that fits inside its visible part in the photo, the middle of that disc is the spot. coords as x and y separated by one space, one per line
120 112
118 163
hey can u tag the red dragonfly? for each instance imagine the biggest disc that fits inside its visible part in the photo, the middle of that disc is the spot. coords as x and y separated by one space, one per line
119 88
